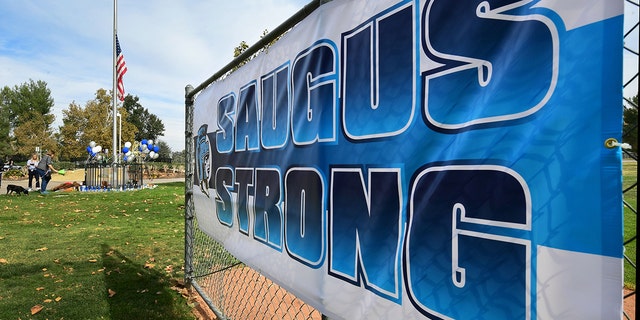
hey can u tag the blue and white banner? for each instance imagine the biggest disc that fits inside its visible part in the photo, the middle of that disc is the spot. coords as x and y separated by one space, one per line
426 159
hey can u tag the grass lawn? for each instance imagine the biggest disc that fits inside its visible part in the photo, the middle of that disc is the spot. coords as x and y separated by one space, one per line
79 255
629 174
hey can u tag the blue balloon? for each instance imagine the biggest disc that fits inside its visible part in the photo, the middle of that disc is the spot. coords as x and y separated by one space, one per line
156 149
124 158
125 150
89 149
140 148
144 141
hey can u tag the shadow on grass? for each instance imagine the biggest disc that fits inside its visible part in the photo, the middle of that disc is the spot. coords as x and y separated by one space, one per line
139 291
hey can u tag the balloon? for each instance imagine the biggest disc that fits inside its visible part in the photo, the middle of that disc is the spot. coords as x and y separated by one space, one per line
127 144
144 141
156 149
150 142
140 148
92 144
125 159
131 157
144 147
89 149
151 154
125 149
98 149
99 157
155 156
129 153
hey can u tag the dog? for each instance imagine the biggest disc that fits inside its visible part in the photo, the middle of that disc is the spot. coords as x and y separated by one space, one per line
17 189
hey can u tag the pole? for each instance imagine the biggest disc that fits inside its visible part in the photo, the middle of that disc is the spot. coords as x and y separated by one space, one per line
114 92
119 134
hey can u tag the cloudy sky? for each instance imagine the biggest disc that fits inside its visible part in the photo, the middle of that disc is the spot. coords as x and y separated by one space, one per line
167 44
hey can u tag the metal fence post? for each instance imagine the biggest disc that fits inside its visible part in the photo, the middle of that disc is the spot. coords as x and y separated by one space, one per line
188 186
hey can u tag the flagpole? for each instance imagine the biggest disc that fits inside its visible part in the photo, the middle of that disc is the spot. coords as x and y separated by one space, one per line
114 97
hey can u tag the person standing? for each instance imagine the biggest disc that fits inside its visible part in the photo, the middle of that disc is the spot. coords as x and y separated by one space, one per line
33 174
45 168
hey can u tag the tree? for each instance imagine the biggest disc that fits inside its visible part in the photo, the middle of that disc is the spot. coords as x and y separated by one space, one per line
148 124
27 100
34 132
630 127
165 151
178 156
94 122
5 129
27 118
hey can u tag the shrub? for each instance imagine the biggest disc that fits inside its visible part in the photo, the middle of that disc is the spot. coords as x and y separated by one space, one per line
14 173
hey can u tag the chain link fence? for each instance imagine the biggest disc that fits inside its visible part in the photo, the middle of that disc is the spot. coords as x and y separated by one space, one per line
630 186
233 290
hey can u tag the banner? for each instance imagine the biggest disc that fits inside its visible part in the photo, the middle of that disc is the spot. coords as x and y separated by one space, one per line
426 159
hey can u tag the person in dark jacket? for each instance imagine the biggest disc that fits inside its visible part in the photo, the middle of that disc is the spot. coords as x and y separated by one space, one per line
45 168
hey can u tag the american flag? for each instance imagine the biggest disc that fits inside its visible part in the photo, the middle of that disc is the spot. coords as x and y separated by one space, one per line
121 69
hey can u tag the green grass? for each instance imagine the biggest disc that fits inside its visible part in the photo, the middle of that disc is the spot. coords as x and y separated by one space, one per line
629 175
112 255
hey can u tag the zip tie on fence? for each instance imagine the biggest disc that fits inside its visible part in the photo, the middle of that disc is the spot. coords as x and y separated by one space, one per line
613 143
210 273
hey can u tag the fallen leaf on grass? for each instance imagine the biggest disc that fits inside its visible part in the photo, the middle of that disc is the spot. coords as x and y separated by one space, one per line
35 309
3 261
183 291
39 288
149 265
47 301
93 260
58 299
42 249
111 293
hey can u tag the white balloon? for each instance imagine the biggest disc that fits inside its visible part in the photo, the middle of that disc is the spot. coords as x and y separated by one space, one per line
151 154
99 157
127 144
98 149
149 142
92 144
128 153
144 147
155 156
130 158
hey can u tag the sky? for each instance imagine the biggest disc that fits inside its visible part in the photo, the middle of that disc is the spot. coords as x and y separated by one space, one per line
167 44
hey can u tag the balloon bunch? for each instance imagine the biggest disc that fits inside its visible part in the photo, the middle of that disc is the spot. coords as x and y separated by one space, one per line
145 148
95 152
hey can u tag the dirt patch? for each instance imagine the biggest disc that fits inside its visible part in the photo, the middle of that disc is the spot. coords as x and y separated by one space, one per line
70 175
629 305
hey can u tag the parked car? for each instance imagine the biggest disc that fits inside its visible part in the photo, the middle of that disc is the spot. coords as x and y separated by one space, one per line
11 167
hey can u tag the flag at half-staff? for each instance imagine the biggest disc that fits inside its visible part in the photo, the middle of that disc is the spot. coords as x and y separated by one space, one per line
121 69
